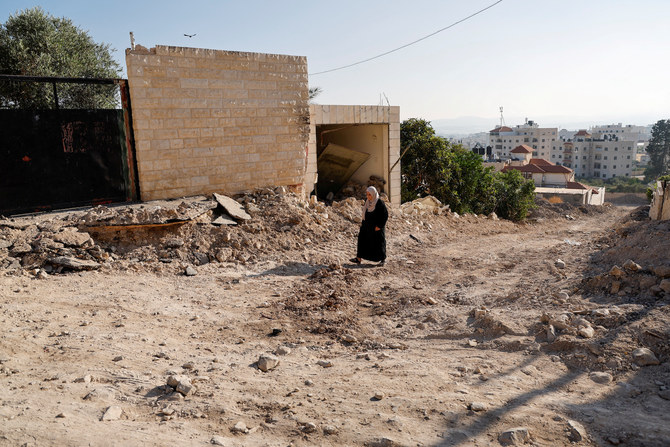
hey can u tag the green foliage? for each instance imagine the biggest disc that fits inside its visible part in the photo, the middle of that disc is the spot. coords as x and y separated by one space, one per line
618 184
425 164
457 177
471 187
34 43
515 195
659 150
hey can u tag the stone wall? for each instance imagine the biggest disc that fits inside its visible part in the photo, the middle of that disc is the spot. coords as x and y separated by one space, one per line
217 121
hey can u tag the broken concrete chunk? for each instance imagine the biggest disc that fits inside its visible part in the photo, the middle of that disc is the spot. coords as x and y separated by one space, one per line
72 237
74 263
233 208
180 383
223 220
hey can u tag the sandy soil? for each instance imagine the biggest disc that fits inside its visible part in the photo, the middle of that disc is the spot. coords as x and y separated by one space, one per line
445 345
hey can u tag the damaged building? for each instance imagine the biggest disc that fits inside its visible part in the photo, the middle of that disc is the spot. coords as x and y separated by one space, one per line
222 121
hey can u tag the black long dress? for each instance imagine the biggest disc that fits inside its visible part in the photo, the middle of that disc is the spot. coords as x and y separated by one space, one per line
371 243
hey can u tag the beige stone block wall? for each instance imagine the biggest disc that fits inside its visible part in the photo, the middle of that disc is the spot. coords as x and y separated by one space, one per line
217 121
359 114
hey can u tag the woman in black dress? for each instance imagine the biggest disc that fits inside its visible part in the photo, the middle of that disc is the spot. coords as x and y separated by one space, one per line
372 236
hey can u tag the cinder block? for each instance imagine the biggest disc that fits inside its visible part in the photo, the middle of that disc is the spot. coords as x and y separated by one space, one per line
165 134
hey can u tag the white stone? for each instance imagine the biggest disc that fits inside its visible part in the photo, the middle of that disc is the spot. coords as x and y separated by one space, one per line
113 413
477 406
329 430
240 427
644 357
514 436
601 377
586 331
559 264
283 350
267 362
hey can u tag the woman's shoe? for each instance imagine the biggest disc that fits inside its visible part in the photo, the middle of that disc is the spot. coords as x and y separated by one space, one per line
355 260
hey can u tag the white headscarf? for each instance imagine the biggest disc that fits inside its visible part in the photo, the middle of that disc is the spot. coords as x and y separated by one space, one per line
370 204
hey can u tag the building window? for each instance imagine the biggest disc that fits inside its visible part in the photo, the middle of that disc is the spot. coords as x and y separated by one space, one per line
584 157
604 166
553 155
605 148
615 157
605 157
628 157
627 167
614 167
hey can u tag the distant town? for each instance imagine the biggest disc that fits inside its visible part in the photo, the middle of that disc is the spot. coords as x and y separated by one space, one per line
604 151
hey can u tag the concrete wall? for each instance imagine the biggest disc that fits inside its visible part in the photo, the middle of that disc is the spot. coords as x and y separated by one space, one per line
371 129
660 203
217 121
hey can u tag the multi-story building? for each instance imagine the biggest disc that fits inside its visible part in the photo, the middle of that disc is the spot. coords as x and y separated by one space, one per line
504 139
620 132
591 156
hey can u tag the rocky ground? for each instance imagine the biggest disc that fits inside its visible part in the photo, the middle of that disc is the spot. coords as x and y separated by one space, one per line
151 325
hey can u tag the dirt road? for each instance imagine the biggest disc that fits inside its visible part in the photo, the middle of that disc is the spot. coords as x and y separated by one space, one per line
445 345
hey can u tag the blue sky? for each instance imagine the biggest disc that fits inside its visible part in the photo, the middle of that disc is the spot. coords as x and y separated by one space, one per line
555 61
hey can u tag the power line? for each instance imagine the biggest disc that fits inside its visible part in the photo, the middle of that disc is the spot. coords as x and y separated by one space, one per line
408 44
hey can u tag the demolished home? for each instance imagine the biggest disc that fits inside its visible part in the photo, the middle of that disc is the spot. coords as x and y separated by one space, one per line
223 121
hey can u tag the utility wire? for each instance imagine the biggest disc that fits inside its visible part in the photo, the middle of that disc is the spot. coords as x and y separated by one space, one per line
408 44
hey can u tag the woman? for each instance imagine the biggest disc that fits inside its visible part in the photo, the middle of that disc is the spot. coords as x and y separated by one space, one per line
372 236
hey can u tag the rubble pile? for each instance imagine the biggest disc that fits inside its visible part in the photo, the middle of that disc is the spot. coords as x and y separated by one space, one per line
270 225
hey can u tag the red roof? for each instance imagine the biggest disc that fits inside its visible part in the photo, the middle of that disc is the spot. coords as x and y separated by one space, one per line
523 149
502 129
576 185
555 169
525 168
582 133
540 166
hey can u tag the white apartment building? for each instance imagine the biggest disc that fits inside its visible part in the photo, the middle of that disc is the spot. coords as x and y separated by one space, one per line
590 156
620 132
503 139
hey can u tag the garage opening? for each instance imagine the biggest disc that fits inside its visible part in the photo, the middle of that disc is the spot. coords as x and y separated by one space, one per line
350 157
